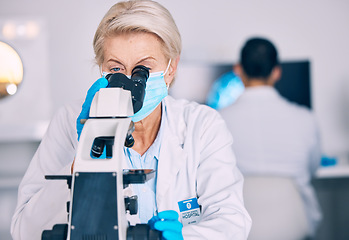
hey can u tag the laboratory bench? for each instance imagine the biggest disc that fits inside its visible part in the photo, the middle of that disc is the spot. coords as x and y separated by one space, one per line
331 184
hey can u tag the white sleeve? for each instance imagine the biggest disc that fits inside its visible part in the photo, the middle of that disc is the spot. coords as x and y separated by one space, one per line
42 203
219 188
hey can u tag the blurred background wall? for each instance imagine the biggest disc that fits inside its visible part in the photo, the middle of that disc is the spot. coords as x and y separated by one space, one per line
212 32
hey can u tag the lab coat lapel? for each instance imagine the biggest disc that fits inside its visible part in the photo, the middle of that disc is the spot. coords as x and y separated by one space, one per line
172 157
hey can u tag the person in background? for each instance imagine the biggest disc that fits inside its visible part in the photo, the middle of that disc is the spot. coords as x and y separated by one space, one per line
188 144
273 136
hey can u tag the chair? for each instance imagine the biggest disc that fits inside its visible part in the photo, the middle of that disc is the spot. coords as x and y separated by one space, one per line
276 208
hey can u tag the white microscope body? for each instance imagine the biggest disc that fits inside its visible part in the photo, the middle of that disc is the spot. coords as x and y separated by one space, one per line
97 208
108 118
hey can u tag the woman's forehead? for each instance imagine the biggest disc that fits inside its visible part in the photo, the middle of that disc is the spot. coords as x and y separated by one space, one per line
134 46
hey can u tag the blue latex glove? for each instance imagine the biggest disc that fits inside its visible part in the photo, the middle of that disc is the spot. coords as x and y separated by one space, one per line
167 222
85 111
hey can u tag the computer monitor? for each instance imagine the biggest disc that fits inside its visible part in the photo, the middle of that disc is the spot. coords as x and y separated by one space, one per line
295 82
196 81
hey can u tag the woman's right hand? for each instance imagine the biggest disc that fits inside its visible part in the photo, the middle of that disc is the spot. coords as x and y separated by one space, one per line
85 111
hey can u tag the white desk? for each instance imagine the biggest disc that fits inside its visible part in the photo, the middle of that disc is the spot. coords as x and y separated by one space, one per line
341 169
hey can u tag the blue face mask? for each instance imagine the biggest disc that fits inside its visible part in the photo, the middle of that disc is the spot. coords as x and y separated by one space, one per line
155 91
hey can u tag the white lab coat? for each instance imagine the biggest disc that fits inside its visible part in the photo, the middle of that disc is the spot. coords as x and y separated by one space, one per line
275 137
196 160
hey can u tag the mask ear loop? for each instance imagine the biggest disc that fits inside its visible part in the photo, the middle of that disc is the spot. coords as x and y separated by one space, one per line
168 66
100 70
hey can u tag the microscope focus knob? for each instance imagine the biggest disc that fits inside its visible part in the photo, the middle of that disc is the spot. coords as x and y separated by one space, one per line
131 204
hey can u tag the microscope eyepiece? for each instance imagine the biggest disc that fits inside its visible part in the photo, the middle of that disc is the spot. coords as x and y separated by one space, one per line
140 73
136 84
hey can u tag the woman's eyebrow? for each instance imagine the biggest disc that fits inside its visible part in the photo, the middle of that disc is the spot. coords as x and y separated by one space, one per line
116 61
145 59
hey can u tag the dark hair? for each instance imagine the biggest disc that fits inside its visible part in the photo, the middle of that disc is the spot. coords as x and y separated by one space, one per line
258 58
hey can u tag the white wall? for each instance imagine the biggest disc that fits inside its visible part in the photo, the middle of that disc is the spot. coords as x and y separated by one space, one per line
213 31
315 30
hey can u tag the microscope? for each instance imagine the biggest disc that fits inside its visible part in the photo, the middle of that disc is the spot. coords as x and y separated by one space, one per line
97 208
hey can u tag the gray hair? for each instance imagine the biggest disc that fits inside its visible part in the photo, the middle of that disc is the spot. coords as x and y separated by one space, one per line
138 16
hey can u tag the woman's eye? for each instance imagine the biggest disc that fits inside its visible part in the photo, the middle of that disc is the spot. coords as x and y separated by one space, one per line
115 69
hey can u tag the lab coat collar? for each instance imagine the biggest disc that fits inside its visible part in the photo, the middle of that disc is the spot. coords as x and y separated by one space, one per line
260 91
172 155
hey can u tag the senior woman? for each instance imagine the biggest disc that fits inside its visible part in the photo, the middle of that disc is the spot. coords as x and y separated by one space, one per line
187 143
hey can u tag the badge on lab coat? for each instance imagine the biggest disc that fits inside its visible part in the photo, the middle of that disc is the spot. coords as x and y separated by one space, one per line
190 211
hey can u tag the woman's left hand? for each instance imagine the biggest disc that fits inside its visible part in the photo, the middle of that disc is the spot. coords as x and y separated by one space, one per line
167 222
